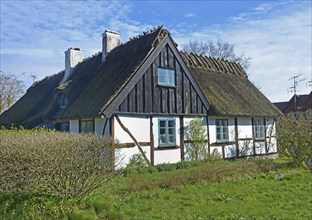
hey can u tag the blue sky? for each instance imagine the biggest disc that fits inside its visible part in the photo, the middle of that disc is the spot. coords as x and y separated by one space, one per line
276 34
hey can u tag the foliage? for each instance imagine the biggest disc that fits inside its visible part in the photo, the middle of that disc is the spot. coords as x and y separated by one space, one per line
213 190
295 140
197 133
217 49
10 90
54 163
136 161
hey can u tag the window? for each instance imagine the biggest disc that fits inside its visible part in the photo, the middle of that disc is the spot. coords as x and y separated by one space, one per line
222 130
86 126
167 132
259 129
63 102
166 77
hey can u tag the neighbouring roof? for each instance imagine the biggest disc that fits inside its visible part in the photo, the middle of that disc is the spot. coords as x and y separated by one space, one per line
227 88
296 103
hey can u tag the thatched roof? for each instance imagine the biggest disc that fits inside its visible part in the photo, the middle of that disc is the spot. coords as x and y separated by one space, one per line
94 85
103 81
227 88
34 106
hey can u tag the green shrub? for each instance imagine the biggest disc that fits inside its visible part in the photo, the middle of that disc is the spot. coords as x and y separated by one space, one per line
295 140
52 162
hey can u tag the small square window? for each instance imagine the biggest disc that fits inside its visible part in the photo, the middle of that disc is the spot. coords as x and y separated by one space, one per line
166 77
86 126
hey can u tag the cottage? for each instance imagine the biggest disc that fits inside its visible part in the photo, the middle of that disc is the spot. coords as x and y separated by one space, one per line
144 93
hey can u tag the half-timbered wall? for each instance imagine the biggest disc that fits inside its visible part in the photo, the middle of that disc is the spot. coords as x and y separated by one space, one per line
148 97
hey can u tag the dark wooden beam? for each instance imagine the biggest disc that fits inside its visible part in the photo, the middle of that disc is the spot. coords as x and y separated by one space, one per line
112 133
182 137
236 137
152 140
130 145
133 138
265 136
208 135
253 136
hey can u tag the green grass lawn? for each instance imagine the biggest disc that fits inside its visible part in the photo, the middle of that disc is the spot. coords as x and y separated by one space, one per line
216 190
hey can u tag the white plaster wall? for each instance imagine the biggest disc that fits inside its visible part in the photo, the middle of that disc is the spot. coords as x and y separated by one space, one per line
245 147
74 126
138 126
167 156
272 145
124 155
217 149
99 126
270 127
244 127
260 147
229 151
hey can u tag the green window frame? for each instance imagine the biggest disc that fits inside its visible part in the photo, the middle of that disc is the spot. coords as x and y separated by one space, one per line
166 77
259 128
86 126
222 130
166 132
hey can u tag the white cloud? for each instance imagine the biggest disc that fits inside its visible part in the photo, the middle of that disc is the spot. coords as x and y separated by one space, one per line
278 40
189 15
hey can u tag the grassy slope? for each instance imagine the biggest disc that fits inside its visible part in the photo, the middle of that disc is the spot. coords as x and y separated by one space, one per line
226 190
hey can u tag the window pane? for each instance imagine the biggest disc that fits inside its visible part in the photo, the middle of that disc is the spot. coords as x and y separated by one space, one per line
171 123
171 131
162 131
161 76
171 139
162 124
218 136
162 139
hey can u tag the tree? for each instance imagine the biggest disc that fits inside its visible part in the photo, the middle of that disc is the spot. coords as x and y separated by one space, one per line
10 90
217 49
197 133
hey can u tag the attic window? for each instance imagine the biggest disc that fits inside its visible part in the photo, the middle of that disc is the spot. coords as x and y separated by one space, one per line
63 102
166 77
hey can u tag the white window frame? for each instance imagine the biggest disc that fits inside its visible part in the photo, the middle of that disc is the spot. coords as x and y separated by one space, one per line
222 130
259 129
168 76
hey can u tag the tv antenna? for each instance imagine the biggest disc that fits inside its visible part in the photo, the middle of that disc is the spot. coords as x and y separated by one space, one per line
33 76
296 80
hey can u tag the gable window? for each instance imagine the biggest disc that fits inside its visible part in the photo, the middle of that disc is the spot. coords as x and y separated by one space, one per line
86 126
166 77
166 132
259 129
222 126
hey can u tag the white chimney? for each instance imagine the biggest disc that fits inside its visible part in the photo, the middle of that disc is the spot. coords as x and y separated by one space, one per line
110 40
72 57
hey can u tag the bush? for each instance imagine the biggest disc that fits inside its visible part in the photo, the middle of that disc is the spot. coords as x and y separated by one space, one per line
295 140
56 163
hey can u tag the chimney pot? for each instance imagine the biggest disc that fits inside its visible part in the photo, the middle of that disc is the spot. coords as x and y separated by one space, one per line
110 40
72 57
